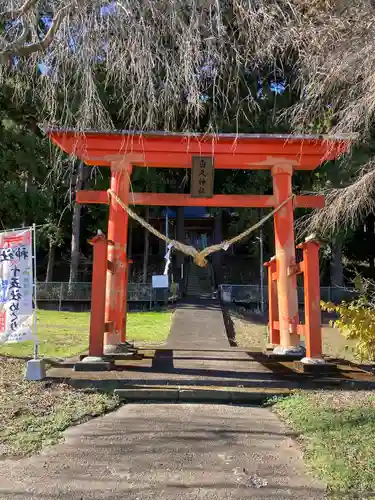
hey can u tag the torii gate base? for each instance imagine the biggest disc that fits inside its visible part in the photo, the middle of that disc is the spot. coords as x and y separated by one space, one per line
281 155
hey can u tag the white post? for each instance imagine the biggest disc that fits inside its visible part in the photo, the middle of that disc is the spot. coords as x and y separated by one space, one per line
35 368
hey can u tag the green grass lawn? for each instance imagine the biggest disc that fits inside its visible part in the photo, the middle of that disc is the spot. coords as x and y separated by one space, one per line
64 334
337 430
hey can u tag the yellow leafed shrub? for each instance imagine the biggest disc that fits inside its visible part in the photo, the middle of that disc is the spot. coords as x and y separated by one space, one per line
356 321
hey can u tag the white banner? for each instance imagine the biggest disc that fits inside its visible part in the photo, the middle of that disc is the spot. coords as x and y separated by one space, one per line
16 286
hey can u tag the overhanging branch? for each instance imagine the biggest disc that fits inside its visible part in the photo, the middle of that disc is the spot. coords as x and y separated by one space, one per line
17 49
9 15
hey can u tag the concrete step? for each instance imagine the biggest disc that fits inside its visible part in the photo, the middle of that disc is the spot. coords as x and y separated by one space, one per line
177 394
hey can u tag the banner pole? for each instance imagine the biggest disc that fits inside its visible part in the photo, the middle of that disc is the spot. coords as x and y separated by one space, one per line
35 295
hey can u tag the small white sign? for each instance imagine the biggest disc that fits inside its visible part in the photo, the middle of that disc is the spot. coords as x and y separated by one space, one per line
160 281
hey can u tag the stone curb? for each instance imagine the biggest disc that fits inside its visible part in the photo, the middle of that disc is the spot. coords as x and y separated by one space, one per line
142 394
102 366
176 395
204 395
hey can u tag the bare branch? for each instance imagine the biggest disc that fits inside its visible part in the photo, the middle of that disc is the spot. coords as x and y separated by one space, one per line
345 207
17 44
177 64
18 49
16 13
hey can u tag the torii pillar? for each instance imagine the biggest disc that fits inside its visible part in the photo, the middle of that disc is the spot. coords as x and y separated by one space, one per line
117 273
287 298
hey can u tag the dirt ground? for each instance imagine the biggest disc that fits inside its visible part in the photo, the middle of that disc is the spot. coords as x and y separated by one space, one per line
35 414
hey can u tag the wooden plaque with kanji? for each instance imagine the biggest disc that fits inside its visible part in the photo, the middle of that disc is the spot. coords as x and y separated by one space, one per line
202 177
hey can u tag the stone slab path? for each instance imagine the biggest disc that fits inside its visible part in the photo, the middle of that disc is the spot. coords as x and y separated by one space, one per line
184 451
197 353
198 326
195 326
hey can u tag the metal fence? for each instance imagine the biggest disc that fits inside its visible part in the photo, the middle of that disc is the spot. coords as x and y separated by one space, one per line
143 292
81 292
247 294
64 291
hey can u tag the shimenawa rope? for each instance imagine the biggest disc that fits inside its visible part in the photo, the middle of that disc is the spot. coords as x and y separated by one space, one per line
199 257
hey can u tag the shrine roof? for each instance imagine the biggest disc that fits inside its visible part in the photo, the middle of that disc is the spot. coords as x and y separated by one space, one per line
175 149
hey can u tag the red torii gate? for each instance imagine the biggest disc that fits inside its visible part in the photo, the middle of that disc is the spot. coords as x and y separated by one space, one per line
280 154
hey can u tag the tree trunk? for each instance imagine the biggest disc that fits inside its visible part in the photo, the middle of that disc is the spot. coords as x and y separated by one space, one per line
51 261
337 272
146 247
76 227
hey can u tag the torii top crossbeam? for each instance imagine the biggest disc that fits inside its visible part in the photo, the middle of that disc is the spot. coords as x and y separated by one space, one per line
174 150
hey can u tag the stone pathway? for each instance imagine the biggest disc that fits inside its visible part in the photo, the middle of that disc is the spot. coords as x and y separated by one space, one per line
169 451
206 357
184 451
197 354
198 326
